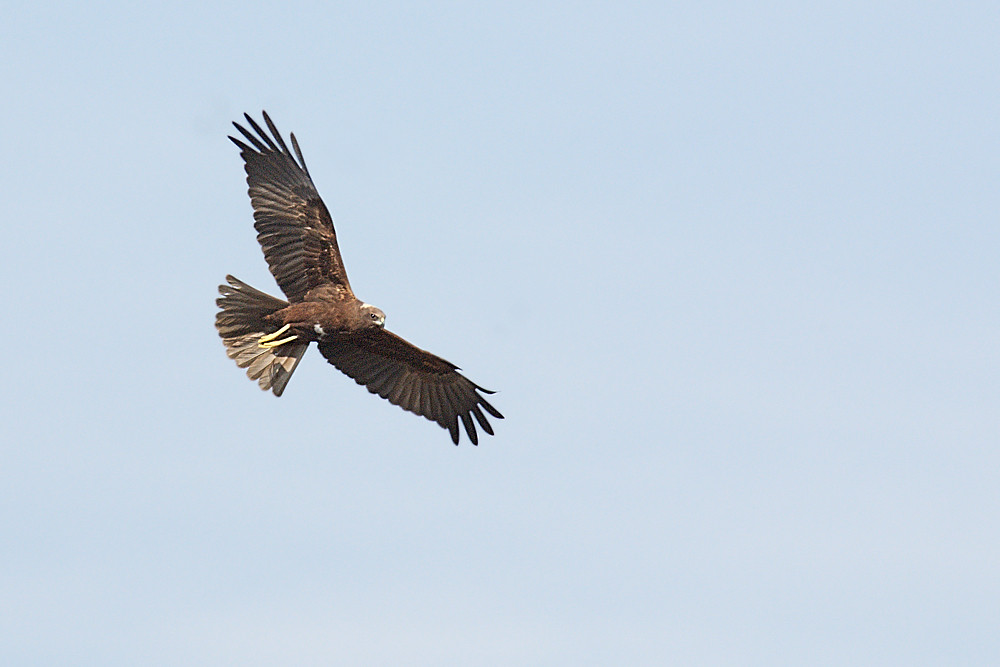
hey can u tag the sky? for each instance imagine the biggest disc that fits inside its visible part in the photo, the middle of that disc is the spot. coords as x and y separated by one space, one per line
732 268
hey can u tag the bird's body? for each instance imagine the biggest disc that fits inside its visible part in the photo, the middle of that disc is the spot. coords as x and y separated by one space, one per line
319 317
268 336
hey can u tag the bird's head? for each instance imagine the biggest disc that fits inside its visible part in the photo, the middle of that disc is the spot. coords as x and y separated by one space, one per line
372 316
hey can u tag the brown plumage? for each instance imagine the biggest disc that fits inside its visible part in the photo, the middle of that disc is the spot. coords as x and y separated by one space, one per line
268 336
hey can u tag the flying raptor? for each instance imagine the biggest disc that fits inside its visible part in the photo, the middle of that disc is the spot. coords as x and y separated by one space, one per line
268 336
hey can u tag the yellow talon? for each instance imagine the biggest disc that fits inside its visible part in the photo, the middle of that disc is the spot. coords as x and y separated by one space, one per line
268 340
272 336
277 343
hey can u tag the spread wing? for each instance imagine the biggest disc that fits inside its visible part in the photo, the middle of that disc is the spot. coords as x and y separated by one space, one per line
411 378
293 225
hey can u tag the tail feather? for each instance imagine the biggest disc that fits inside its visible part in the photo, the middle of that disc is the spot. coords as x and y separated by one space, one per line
241 322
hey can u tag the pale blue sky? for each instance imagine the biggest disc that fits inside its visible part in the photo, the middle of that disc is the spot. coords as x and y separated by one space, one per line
732 266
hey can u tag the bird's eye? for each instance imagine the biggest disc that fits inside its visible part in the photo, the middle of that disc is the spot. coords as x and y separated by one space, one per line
374 316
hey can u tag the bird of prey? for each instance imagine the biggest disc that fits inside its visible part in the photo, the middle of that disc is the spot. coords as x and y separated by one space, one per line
268 336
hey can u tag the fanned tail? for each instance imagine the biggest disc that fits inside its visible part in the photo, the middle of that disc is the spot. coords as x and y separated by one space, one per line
241 323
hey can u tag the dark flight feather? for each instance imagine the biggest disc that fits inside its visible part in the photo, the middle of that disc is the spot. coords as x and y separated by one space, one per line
411 378
294 227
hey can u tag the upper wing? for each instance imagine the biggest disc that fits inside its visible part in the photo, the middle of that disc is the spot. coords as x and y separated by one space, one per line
411 378
294 226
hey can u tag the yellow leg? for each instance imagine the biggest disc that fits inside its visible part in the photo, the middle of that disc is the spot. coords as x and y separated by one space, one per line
269 341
